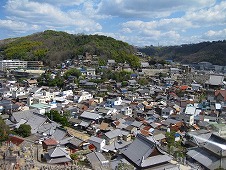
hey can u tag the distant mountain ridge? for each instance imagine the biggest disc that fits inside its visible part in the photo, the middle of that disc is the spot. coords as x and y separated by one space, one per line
214 52
53 47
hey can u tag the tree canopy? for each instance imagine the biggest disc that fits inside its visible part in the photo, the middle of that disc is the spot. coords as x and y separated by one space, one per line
24 130
4 130
53 47
213 52
57 117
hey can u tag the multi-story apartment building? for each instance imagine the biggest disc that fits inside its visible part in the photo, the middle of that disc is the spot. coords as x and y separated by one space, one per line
18 64
12 64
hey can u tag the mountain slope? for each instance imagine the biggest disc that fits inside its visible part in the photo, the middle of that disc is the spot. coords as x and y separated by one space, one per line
214 52
53 47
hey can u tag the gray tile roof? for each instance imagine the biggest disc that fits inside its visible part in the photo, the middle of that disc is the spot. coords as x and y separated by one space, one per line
215 80
97 160
140 150
59 160
113 134
136 124
203 157
90 115
116 145
59 134
95 139
76 141
17 116
48 128
216 144
30 117
154 160
57 152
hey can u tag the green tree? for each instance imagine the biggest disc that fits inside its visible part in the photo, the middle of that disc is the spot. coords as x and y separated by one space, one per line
72 72
4 130
143 81
174 147
24 130
102 62
124 166
57 117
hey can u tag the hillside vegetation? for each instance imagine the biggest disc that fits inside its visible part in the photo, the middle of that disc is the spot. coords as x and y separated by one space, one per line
53 47
214 52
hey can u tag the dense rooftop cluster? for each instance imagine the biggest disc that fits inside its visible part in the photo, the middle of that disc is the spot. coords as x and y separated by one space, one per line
161 116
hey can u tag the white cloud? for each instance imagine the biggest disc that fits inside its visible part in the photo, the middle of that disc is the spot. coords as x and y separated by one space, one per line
149 8
17 26
208 16
215 34
133 21
61 3
49 16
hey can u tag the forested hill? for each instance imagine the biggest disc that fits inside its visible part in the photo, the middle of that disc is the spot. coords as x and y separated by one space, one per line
52 47
214 52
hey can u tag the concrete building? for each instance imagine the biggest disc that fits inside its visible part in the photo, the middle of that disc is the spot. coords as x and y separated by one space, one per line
12 64
18 64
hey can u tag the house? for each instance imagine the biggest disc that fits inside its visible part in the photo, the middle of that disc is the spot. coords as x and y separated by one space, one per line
168 81
90 116
211 152
41 108
175 71
145 65
40 97
196 87
19 92
132 82
192 110
112 136
111 63
98 161
97 142
215 81
73 143
167 111
82 95
220 95
170 125
143 92
57 155
127 111
30 117
49 143
116 139
187 118
144 153
113 102
136 124
106 111
219 128
90 72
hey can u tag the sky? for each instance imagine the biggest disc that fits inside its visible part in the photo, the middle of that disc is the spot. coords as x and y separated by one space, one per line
137 22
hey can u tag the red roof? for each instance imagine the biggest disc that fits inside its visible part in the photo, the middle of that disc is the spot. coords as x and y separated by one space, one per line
50 142
15 140
144 132
184 87
92 147
221 92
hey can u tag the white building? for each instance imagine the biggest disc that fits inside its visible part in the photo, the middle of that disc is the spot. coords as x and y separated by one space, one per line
97 142
19 92
12 64
44 98
127 111
18 64
83 95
